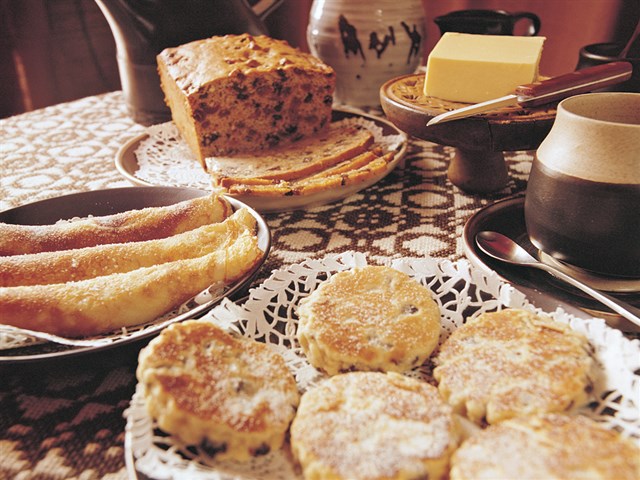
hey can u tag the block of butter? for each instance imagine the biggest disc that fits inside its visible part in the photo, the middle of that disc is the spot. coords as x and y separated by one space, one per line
473 68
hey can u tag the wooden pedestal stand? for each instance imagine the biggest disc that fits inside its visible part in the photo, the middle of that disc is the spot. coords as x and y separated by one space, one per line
478 164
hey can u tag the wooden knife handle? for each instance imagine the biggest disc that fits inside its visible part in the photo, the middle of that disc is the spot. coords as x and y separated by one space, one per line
580 81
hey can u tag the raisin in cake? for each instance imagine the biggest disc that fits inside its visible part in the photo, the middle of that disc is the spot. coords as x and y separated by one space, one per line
370 318
238 93
373 426
232 396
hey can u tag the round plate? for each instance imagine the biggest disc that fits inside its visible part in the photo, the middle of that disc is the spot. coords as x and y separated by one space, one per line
127 165
507 217
505 129
108 202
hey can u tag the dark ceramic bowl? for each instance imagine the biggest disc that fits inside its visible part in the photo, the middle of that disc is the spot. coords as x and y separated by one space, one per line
599 53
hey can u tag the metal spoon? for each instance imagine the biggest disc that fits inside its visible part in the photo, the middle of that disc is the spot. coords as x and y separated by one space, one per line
503 248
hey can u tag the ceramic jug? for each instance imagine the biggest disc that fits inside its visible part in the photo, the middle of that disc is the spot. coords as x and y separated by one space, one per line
143 28
367 43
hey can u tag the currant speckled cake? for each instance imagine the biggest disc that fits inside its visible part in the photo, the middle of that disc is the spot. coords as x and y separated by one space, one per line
372 318
513 362
239 93
551 446
232 396
373 426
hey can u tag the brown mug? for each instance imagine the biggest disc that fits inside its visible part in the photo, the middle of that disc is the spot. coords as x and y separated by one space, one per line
487 22
582 204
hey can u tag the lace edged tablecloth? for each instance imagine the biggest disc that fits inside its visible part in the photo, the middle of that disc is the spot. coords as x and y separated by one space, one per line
65 419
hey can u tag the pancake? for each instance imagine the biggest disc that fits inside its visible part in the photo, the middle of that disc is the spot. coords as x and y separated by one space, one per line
372 318
231 396
130 226
372 425
111 302
513 362
550 447
83 263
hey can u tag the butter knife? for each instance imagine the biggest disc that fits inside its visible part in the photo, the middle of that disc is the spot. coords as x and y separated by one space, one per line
547 91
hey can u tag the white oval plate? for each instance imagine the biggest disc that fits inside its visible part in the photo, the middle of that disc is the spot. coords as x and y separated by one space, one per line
190 174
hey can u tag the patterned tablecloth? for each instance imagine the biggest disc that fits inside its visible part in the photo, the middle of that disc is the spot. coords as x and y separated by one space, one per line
64 418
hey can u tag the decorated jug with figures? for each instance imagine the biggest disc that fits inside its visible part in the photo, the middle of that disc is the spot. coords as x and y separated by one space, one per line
367 43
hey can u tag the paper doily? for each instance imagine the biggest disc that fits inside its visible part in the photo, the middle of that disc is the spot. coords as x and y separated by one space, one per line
461 291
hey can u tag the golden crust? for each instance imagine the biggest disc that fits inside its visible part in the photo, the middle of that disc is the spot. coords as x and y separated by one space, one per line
241 93
513 362
202 62
552 446
80 264
370 425
111 302
369 318
231 395
130 226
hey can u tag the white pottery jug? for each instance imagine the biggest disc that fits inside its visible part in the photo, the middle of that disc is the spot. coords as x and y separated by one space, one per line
367 43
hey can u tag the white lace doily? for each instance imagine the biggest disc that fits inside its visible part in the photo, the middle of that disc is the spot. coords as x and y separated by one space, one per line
461 291
164 158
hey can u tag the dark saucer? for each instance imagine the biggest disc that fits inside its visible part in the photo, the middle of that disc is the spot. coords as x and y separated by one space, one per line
507 217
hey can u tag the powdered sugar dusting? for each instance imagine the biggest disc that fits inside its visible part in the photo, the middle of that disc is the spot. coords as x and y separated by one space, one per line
269 315
366 425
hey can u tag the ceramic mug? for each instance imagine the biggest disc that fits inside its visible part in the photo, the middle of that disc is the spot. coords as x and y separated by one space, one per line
599 53
582 203
487 22
367 43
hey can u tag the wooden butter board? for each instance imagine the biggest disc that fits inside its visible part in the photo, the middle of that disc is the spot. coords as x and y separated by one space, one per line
479 140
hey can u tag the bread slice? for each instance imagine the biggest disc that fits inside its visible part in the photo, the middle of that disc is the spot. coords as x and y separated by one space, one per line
365 166
308 156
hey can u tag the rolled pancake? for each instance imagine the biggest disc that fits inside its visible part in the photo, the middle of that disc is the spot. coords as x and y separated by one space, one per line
80 264
107 303
130 226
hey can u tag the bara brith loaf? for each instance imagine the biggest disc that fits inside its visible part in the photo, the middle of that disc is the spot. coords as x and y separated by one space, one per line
238 93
